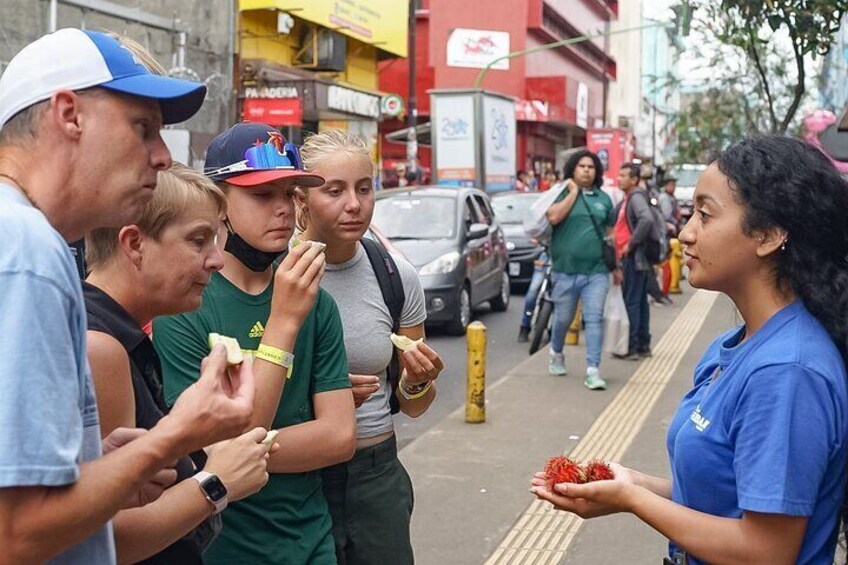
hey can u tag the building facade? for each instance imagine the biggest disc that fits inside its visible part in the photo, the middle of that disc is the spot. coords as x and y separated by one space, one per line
309 65
655 130
559 93
194 42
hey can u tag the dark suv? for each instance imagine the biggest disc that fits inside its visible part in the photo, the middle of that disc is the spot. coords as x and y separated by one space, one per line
451 236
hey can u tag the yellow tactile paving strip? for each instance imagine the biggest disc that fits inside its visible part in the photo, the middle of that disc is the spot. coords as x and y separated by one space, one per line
541 536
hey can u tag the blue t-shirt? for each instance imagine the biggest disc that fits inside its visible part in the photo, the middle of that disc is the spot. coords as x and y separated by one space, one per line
48 413
769 434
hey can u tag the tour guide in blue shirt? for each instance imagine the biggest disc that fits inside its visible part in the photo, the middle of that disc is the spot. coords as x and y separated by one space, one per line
758 446
80 149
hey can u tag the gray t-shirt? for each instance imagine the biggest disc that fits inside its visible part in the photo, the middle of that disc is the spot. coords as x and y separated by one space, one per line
48 414
367 326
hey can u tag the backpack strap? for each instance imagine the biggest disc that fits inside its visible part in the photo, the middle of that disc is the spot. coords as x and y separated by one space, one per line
391 286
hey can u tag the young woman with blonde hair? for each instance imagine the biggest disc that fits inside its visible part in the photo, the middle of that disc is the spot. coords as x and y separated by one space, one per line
370 496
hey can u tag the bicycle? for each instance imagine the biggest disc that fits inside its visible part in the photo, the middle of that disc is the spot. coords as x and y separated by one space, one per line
540 324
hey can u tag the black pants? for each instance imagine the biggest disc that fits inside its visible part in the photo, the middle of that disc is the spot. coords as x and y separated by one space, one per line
635 287
371 501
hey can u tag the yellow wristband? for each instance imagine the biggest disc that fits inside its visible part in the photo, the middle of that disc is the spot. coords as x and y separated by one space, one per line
415 396
277 357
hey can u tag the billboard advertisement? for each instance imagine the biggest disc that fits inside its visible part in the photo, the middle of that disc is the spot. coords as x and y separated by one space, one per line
476 48
455 139
499 137
382 23
614 147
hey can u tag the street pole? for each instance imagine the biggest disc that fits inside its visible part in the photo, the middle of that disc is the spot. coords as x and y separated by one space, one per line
412 102
570 41
54 9
654 105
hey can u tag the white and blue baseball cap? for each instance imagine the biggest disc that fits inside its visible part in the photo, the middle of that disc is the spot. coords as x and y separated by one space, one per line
75 59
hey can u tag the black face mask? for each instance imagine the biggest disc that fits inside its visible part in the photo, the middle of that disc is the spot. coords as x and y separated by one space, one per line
252 258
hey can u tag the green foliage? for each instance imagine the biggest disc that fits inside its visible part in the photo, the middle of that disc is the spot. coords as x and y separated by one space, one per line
775 39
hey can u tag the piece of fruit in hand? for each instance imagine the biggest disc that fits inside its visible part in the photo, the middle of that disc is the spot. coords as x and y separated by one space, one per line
561 469
321 246
597 470
234 352
269 438
404 343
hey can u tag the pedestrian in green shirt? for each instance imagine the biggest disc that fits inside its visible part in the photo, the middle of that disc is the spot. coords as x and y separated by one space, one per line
579 272
294 328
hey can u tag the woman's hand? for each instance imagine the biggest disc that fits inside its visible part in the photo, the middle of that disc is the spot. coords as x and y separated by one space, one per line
241 463
422 364
363 386
589 500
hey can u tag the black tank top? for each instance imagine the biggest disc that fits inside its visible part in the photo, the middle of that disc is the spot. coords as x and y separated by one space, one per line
107 316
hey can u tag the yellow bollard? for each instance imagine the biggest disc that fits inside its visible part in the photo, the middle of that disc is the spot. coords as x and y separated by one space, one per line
475 399
573 335
675 262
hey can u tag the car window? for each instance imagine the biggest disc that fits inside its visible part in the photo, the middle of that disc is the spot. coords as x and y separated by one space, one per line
512 208
470 215
483 211
410 216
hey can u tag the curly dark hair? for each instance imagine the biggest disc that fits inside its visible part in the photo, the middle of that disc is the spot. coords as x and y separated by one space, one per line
789 184
571 164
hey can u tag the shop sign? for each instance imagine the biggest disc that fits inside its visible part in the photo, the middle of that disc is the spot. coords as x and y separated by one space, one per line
274 111
531 110
353 102
391 105
271 92
582 105
476 48
382 23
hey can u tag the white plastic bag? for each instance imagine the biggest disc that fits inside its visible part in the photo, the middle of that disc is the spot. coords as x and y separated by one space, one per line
616 322
536 222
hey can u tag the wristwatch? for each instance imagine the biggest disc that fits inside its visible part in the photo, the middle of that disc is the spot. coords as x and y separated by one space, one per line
213 489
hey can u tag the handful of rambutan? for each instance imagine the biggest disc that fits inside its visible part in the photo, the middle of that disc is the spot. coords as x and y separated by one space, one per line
561 469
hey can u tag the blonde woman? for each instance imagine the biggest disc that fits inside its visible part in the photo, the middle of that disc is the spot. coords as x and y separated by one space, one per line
370 496
160 265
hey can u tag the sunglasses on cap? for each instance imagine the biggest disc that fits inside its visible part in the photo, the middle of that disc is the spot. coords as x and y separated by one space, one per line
269 156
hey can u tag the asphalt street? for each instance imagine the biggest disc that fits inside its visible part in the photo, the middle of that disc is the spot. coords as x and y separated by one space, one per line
504 353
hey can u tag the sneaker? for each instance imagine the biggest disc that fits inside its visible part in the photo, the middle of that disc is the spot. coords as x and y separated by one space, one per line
593 380
556 365
523 334
645 353
630 356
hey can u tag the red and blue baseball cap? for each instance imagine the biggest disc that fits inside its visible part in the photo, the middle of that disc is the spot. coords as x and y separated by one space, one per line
75 59
250 154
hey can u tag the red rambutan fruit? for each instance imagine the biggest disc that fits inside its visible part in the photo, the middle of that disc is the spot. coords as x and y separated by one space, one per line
561 469
598 471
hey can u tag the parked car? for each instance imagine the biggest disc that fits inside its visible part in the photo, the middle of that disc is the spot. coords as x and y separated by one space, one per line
452 237
510 210
687 177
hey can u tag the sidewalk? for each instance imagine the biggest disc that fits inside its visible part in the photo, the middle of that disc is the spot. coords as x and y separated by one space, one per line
471 481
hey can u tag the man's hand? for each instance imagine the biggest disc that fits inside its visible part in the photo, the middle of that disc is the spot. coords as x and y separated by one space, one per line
296 284
241 463
625 251
571 186
617 277
218 406
363 387
156 485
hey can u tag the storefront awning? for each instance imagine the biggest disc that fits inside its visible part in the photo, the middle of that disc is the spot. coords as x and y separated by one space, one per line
422 133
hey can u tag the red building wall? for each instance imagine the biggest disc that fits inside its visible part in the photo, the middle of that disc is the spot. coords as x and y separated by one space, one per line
496 15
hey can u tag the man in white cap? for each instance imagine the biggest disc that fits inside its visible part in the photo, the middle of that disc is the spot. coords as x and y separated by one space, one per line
80 149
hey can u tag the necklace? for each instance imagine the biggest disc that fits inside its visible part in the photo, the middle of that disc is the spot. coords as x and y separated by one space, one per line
22 189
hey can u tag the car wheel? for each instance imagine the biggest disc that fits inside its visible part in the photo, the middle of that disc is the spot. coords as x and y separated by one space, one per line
501 301
462 315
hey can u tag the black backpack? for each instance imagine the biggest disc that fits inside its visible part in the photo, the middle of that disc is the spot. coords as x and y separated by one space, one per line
391 286
656 245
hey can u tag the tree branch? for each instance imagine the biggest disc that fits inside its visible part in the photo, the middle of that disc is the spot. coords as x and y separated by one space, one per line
800 87
755 55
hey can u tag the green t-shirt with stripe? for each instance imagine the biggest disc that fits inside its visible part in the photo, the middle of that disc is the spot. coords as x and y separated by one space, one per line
288 521
575 245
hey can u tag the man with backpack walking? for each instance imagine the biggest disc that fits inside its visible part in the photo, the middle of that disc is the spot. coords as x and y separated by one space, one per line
638 246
